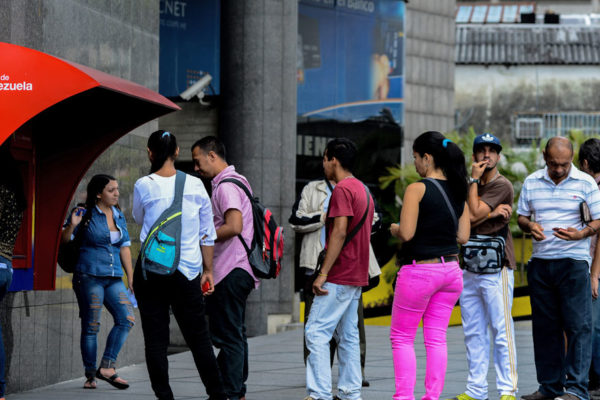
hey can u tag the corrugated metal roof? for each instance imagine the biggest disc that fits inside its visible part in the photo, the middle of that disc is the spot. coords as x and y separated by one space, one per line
527 44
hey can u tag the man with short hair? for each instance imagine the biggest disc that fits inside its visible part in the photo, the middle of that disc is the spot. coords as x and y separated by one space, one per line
338 285
589 162
558 272
486 299
233 275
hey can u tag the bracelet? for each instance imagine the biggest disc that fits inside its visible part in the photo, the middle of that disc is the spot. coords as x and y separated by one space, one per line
321 274
592 228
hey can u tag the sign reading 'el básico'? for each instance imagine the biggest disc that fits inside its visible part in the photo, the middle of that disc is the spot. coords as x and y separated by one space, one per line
350 60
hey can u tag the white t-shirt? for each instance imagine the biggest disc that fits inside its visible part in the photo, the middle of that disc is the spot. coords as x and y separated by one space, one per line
152 194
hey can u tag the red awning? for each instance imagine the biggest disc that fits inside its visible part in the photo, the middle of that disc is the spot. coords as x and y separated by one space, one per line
70 114
32 81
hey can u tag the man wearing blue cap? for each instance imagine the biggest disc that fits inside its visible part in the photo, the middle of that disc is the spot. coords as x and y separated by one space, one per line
487 296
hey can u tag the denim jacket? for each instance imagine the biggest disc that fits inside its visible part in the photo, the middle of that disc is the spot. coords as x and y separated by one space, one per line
97 255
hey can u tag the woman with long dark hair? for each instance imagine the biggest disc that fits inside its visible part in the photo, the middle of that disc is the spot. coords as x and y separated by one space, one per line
181 291
12 206
433 220
104 253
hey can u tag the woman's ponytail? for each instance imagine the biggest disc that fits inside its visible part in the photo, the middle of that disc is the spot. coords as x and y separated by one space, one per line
448 157
163 146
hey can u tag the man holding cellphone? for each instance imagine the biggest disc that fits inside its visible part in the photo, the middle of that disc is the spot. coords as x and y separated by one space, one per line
559 271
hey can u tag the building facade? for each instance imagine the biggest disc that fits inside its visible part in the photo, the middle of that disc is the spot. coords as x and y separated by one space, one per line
253 108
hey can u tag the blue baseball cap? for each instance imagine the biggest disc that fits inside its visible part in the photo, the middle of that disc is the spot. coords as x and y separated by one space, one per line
489 139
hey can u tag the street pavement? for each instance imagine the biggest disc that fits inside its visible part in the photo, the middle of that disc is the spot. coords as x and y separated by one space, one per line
277 371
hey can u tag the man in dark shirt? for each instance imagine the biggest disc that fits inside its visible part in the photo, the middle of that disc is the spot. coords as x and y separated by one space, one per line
343 273
486 300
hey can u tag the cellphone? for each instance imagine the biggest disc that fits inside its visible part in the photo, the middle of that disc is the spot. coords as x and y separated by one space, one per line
206 287
80 212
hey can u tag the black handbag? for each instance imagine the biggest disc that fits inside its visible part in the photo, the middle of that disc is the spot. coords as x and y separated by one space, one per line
68 253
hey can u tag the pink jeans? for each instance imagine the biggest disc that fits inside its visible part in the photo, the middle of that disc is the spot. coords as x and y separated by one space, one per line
427 291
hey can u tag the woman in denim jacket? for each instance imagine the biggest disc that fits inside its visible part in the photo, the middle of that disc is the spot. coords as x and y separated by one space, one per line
97 280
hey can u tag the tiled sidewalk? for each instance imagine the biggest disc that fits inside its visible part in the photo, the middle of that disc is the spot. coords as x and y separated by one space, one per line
277 371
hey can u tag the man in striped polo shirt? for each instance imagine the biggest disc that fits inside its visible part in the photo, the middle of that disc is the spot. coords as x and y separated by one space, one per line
558 272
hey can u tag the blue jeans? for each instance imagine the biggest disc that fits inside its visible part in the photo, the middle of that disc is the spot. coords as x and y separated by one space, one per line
336 312
5 280
561 302
92 292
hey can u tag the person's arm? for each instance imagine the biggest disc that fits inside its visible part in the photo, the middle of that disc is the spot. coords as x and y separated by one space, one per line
571 233
529 226
233 226
68 230
595 274
502 210
125 255
334 248
409 215
138 207
207 272
478 209
464 226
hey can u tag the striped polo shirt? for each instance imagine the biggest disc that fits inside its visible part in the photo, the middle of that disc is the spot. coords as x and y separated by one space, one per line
557 206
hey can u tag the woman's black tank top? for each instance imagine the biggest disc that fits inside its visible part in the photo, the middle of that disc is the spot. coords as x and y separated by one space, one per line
435 235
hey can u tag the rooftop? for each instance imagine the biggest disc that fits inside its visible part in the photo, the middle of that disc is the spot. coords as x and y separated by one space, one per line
522 44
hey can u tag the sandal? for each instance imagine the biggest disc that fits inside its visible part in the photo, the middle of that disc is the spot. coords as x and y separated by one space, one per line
90 383
112 380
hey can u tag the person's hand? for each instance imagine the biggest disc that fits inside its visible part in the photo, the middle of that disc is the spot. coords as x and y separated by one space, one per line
594 282
207 277
130 283
478 168
568 234
76 219
318 286
503 210
537 231
395 229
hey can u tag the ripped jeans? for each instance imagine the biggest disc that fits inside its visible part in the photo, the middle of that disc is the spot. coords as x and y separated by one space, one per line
92 292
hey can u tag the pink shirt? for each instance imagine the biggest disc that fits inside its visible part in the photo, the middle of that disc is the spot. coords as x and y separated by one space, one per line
231 254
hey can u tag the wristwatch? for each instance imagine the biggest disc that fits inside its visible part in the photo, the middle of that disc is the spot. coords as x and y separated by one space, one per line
473 180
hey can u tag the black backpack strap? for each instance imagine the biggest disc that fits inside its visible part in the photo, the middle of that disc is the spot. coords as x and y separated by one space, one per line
238 183
445 196
360 224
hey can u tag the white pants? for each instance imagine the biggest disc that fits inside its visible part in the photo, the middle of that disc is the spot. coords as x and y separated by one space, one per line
486 300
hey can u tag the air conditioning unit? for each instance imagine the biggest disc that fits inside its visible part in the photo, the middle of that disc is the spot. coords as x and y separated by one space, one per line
529 128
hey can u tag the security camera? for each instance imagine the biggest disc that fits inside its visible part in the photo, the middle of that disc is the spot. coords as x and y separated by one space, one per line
197 89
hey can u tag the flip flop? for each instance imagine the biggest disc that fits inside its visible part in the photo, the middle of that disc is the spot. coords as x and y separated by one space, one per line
90 381
112 380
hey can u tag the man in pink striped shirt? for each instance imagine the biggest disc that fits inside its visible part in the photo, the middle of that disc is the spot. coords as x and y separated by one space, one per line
233 276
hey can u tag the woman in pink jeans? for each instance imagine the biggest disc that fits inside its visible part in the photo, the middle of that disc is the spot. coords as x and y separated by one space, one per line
434 219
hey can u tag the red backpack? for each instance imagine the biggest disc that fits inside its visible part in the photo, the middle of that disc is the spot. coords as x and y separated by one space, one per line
266 250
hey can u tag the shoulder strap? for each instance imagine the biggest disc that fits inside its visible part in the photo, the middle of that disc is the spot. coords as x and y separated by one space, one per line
237 182
445 196
176 205
354 231
179 184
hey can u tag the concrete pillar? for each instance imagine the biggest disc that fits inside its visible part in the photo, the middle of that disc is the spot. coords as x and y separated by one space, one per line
257 122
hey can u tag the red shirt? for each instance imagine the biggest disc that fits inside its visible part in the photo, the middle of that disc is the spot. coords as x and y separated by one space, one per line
349 199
